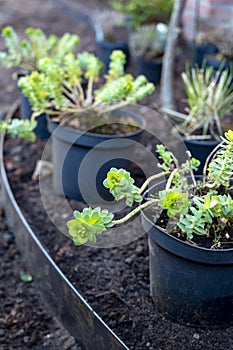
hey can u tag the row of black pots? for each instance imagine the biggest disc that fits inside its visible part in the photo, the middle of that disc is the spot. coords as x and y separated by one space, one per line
151 69
71 146
189 284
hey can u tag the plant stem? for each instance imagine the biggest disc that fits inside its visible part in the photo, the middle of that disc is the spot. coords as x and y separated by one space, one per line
89 91
151 178
169 181
134 212
69 95
208 159
190 169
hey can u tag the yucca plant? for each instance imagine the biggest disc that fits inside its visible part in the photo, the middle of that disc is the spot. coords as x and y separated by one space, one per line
210 98
202 207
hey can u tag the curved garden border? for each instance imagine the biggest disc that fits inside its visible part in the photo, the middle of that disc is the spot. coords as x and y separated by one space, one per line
65 302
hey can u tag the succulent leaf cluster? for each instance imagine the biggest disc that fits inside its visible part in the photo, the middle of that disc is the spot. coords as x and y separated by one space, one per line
22 128
121 185
25 54
60 88
86 225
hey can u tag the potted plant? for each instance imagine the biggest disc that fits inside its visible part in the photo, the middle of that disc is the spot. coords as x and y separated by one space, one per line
24 56
147 45
189 223
146 12
111 34
210 101
20 128
94 127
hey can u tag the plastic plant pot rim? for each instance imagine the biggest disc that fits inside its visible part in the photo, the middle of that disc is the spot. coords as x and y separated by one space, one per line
58 130
74 313
181 248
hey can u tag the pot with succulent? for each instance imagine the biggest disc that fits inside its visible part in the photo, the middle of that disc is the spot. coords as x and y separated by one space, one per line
189 224
147 45
111 34
94 128
146 12
210 104
24 55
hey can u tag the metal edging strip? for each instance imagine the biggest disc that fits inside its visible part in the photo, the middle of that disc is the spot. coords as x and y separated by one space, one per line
66 303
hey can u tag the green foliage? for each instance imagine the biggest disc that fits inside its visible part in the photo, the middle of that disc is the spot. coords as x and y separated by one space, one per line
142 12
201 217
174 201
59 88
166 156
197 207
121 185
25 54
149 41
210 97
22 128
221 167
84 227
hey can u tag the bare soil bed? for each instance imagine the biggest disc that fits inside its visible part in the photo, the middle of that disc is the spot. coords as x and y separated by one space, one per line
114 281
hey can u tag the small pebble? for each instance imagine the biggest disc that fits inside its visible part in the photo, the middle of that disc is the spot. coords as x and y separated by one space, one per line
7 237
130 259
26 339
139 249
196 336
2 332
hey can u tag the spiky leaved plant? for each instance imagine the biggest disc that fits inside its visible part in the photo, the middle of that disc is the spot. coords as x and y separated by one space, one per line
210 97
197 207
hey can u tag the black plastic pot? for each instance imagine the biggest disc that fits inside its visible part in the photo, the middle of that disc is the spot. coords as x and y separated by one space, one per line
189 284
105 48
200 150
199 52
216 64
151 69
41 129
82 159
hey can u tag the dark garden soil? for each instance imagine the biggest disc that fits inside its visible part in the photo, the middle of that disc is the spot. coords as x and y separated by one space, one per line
114 281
